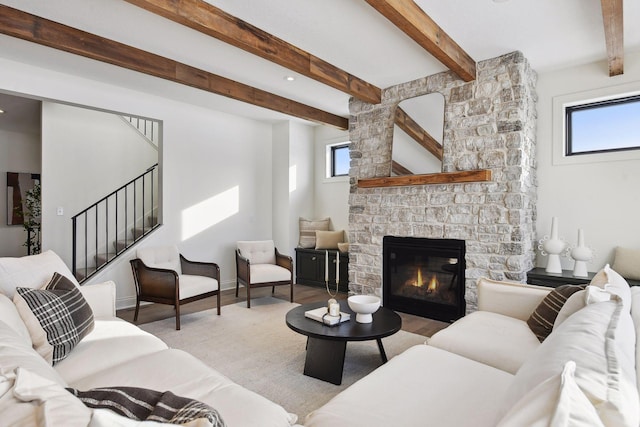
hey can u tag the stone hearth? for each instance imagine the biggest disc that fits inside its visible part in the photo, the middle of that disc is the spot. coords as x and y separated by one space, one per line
490 123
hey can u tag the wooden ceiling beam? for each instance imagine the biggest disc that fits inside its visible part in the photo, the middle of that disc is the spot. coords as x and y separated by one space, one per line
16 23
412 20
416 132
208 19
614 35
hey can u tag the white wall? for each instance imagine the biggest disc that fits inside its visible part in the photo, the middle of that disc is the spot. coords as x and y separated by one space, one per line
601 197
293 167
301 178
216 168
87 154
331 194
20 153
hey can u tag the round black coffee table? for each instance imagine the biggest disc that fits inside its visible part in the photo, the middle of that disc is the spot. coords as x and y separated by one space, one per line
326 345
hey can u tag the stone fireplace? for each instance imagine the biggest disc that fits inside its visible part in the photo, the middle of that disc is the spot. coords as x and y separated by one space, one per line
490 123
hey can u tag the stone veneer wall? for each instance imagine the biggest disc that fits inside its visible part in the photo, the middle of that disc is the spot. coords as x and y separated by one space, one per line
490 123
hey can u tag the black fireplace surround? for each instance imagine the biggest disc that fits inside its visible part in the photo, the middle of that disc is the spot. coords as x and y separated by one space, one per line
424 277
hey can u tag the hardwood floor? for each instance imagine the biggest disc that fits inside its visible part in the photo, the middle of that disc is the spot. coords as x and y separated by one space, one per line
302 294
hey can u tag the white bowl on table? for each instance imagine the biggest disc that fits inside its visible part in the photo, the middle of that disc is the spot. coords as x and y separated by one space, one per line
364 306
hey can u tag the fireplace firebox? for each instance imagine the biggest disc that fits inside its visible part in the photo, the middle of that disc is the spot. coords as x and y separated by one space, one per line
424 277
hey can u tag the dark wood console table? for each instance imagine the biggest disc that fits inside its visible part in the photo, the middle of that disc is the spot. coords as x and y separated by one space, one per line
310 266
539 277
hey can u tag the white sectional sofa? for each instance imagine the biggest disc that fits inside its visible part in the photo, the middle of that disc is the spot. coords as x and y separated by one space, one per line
489 369
115 353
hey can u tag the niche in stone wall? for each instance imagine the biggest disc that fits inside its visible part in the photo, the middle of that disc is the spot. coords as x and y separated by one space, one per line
418 135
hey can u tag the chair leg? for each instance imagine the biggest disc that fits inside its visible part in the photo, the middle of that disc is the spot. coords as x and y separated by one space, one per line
273 290
248 295
218 302
291 292
177 316
237 286
135 315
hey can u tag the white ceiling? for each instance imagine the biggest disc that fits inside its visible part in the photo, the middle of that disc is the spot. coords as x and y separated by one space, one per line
349 34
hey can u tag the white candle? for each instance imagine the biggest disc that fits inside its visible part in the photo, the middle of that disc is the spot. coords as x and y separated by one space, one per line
334 309
580 237
326 266
337 268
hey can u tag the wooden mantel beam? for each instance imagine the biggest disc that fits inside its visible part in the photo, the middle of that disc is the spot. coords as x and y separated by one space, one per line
412 20
208 19
417 133
614 35
16 23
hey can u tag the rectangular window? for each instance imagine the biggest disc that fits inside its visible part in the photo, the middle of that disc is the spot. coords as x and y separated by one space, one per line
340 160
603 126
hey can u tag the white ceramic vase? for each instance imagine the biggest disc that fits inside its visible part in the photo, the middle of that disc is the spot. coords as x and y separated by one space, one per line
553 246
581 254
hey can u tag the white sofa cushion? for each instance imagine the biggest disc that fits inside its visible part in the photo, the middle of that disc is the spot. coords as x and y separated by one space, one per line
31 400
101 298
16 352
196 285
490 338
635 315
32 271
511 299
601 340
9 315
166 257
556 402
112 342
262 273
184 375
423 386
258 251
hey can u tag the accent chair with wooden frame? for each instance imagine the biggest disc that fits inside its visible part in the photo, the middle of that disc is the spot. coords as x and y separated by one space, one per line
162 275
259 264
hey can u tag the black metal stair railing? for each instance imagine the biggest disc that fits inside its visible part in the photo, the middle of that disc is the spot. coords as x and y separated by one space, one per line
107 228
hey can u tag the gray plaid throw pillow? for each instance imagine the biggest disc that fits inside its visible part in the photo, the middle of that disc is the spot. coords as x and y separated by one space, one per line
62 312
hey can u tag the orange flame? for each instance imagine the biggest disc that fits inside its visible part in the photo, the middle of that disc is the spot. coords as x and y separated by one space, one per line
433 284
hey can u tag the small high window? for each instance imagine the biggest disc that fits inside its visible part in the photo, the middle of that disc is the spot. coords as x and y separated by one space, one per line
603 126
339 158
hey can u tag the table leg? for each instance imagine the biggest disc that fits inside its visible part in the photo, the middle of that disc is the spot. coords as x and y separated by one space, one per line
325 360
383 355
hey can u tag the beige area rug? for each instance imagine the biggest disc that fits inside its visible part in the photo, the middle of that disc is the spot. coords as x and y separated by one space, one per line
255 348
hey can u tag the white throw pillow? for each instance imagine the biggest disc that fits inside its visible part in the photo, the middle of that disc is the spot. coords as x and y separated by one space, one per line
9 315
31 271
556 402
579 300
600 338
614 283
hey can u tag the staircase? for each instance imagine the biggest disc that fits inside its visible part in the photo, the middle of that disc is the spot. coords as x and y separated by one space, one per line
149 129
110 226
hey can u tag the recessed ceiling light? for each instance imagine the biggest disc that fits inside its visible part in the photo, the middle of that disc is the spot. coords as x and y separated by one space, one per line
1 111
289 78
